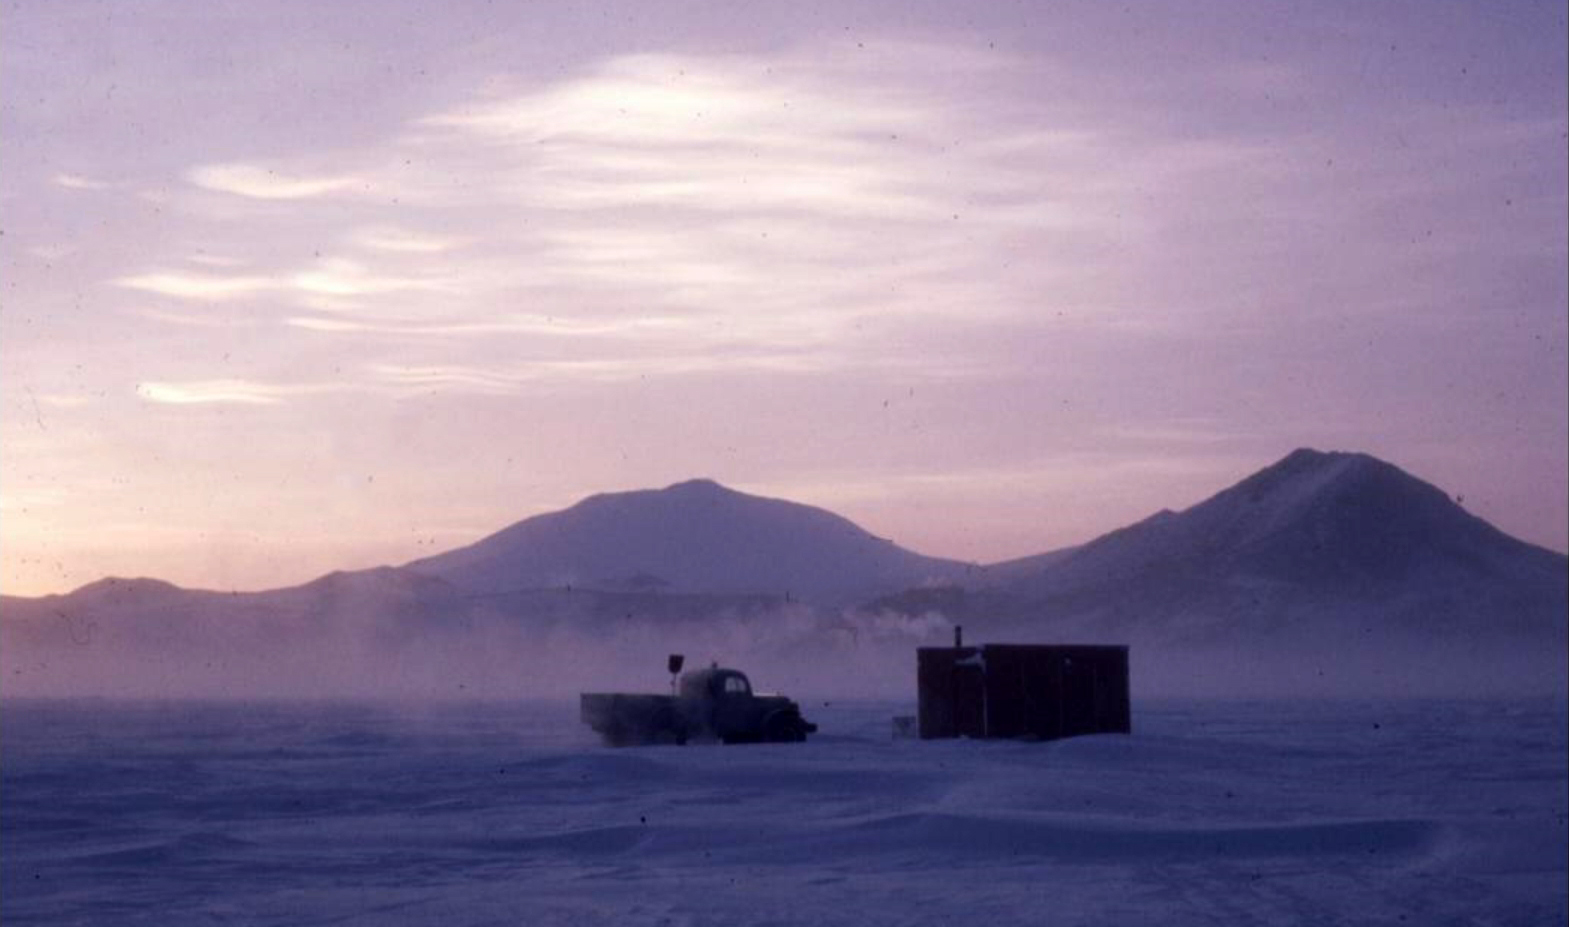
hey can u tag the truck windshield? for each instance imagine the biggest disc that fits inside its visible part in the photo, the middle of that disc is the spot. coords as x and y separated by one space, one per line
736 685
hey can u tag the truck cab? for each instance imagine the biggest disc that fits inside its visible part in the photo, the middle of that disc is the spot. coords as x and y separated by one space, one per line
722 701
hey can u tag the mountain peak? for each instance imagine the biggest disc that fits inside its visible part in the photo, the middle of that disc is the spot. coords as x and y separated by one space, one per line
700 484
700 489
1305 477
1311 456
1310 460
124 589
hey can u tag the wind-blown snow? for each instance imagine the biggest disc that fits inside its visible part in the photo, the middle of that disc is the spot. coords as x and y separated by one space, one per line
1210 813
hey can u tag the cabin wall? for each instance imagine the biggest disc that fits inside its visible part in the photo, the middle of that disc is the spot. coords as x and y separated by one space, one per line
951 693
1023 690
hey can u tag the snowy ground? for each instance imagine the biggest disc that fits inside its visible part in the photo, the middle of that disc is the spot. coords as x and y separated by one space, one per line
1211 813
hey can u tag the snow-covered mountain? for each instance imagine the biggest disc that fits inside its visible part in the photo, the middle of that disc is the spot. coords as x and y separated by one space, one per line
696 537
1317 544
1308 566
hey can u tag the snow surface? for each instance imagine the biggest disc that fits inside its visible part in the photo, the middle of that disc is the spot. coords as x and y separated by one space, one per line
1285 812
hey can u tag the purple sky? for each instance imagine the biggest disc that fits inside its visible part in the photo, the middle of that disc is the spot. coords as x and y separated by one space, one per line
297 287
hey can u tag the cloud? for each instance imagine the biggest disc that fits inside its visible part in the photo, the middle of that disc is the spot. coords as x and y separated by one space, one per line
701 213
472 379
79 182
319 283
512 379
207 287
219 392
778 197
257 182
403 241
342 277
466 379
642 327
866 211
711 134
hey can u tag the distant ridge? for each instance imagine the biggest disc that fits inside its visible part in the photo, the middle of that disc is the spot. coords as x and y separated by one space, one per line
1329 572
691 537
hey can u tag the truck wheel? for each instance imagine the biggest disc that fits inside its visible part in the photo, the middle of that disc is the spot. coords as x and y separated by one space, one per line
784 729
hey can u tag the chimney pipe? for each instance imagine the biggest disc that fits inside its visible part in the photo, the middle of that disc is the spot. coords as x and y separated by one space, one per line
674 663
958 636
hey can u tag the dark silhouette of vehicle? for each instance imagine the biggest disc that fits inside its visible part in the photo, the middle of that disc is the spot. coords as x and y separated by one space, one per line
707 704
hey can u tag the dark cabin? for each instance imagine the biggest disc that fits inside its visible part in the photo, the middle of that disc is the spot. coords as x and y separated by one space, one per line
1040 691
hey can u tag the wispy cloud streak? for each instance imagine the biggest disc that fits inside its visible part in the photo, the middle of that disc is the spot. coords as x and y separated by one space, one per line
79 182
219 392
262 183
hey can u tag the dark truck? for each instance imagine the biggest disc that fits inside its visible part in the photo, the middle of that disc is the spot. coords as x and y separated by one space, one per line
707 704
